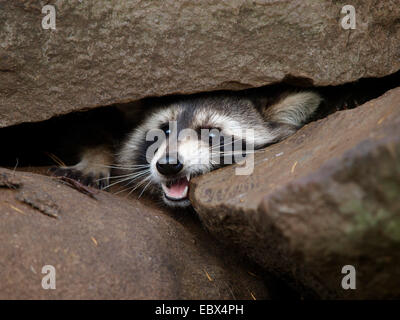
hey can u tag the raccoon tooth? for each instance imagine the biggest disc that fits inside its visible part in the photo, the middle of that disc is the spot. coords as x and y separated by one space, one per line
185 192
188 176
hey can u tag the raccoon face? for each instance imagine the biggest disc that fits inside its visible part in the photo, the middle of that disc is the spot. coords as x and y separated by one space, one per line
192 137
188 139
188 152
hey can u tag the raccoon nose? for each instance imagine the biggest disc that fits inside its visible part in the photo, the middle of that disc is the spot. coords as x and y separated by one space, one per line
169 166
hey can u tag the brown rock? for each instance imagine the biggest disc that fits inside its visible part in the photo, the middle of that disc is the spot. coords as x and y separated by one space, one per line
324 198
107 247
106 52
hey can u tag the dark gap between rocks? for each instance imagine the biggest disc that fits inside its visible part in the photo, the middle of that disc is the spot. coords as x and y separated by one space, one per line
32 144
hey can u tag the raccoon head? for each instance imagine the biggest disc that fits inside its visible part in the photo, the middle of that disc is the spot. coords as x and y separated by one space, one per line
194 136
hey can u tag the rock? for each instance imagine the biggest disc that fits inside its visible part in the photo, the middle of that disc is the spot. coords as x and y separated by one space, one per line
106 52
325 198
108 247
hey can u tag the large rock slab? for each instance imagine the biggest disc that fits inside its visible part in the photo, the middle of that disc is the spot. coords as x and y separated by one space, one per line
324 198
104 52
108 247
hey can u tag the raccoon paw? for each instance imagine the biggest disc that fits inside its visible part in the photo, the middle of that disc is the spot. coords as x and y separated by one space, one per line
96 179
93 170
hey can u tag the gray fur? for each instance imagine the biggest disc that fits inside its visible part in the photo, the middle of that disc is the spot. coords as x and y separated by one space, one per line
231 113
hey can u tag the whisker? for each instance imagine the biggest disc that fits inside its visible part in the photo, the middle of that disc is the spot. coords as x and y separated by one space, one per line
125 167
119 191
144 189
130 177
226 144
234 153
121 176
56 159
140 184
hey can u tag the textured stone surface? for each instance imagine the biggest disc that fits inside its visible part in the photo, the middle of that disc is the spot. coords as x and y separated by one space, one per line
104 52
324 198
107 248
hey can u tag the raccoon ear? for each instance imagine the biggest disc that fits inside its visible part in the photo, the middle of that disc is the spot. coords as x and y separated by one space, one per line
293 109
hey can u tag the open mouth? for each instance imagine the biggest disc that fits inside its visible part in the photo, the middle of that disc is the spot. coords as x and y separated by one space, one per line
176 190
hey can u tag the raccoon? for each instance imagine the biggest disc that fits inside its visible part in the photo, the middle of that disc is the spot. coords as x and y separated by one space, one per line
226 119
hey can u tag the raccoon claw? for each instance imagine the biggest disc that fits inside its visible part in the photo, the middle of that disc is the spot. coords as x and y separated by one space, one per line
90 179
103 181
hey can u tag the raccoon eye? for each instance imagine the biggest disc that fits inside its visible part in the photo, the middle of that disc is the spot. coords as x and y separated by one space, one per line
166 129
